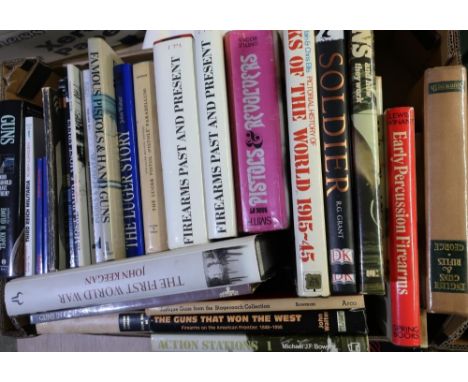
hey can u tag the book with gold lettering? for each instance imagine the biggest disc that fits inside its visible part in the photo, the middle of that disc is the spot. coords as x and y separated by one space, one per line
446 188
331 53
306 164
224 263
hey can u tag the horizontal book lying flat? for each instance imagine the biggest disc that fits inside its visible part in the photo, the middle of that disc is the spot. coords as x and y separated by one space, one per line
231 262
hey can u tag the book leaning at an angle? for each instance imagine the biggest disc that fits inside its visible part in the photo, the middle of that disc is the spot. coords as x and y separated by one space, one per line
257 130
366 156
446 188
12 167
214 134
77 163
403 234
223 263
128 149
34 149
149 155
306 164
110 243
337 161
185 342
176 95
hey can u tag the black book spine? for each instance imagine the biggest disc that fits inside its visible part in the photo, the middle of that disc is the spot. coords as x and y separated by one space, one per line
12 115
332 80
290 322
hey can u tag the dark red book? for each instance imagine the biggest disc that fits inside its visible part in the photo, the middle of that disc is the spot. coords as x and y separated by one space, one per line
403 235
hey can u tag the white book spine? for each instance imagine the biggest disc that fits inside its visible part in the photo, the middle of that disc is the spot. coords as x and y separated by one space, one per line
176 98
101 62
214 135
306 164
92 163
149 156
78 162
227 263
30 200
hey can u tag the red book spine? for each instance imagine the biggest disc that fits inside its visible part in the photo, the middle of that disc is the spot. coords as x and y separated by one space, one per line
403 235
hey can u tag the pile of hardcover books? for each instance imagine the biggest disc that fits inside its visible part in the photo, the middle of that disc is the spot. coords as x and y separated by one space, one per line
151 196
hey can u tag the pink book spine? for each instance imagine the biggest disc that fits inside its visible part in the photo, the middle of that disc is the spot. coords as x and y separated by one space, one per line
257 131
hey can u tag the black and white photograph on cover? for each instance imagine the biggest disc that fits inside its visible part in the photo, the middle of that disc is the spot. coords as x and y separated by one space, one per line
219 266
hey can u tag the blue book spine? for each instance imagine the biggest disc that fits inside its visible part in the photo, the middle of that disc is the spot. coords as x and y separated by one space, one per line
39 215
128 150
45 219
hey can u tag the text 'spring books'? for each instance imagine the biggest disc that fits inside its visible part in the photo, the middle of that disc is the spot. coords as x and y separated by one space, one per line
337 162
306 164
179 132
111 242
215 135
257 130
223 263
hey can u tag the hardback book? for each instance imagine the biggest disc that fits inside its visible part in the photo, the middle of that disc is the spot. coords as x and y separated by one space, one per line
257 130
221 292
34 149
45 218
39 203
310 322
403 235
306 164
129 172
367 187
260 305
223 263
77 163
176 94
149 155
55 150
184 342
446 189
111 242
214 134
335 133
90 153
12 168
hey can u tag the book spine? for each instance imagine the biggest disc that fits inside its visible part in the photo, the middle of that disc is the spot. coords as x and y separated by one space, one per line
128 149
45 218
306 164
261 305
403 240
138 304
180 141
149 155
39 216
55 131
175 342
288 322
226 263
30 200
79 185
367 188
71 256
214 135
337 162
92 168
446 189
101 62
256 126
